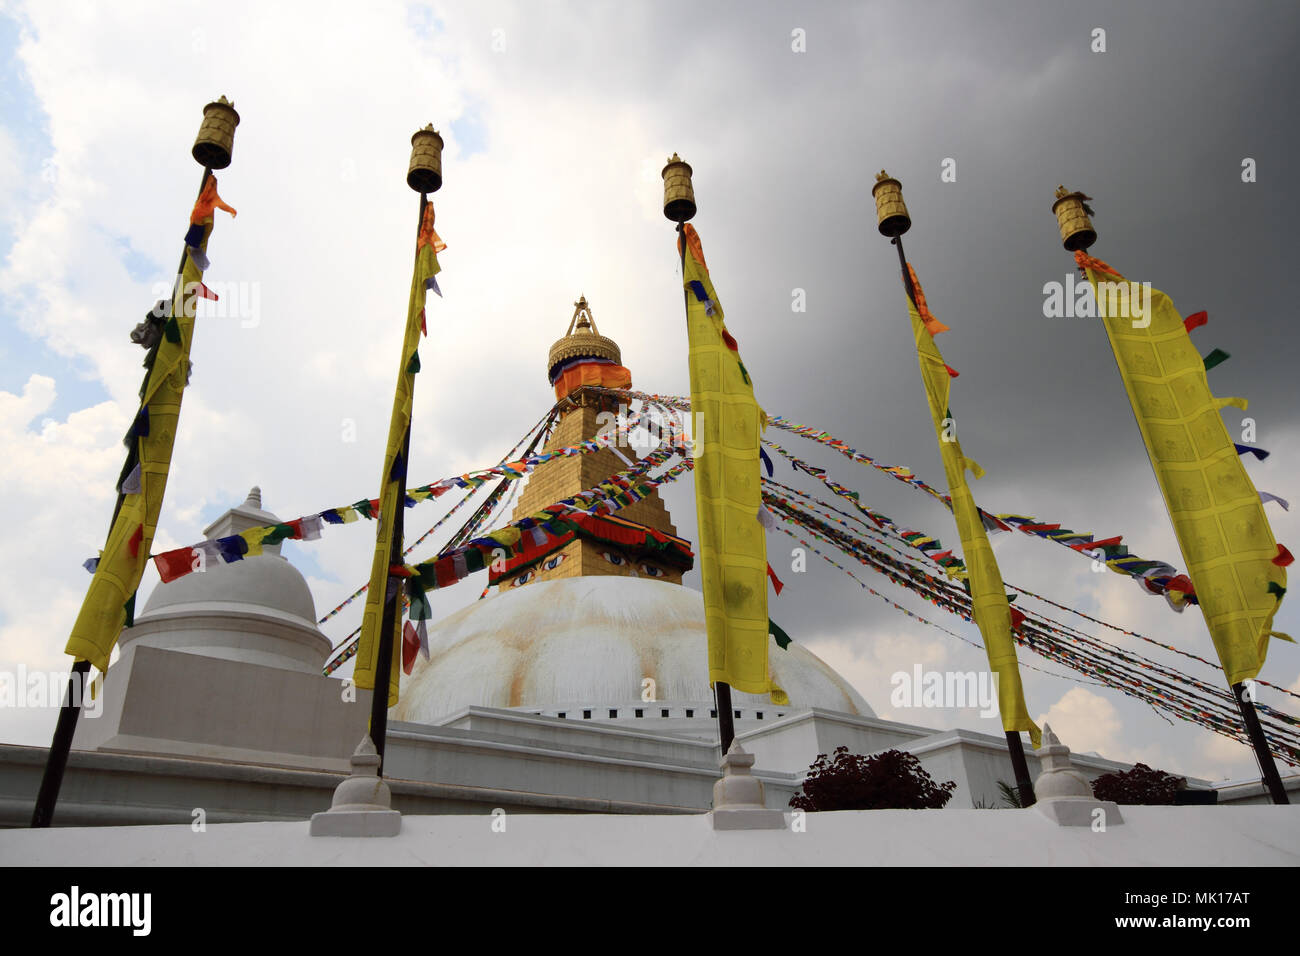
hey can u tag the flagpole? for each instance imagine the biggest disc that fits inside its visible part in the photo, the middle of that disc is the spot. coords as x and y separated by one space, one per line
392 601
679 207
57 761
721 689
1077 234
207 152
1264 756
424 176
1015 746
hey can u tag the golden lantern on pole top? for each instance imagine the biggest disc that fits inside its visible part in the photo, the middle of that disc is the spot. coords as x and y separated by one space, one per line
216 139
425 172
1072 212
679 194
891 212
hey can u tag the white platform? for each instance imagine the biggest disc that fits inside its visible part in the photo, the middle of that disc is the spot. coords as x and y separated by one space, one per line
1151 836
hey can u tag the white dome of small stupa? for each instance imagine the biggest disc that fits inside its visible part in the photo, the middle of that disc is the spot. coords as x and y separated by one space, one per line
258 610
589 643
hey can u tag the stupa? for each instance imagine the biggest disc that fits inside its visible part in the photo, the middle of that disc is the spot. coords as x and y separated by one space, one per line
600 627
577 684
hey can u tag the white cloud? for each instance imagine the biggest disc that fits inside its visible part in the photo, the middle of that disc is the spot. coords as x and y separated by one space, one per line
1087 722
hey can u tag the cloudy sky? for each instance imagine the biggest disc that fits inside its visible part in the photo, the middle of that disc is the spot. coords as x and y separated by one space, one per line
557 119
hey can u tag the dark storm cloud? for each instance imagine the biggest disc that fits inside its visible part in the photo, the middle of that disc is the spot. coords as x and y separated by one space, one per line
785 146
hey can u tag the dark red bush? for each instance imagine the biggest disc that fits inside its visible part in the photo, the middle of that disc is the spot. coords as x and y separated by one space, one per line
1140 786
892 780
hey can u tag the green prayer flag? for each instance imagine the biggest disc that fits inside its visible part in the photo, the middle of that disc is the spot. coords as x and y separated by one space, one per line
1217 357
277 534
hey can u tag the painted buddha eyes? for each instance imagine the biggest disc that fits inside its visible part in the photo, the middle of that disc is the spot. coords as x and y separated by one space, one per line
618 560
549 564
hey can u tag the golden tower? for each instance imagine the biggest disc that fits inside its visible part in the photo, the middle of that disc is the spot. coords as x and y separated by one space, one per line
580 359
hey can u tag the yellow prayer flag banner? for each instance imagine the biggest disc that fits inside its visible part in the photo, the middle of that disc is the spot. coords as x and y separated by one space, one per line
1217 513
989 604
725 424
122 562
392 497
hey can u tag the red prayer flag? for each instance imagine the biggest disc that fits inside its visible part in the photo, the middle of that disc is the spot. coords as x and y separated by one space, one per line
776 582
444 571
174 564
1093 545
133 543
410 647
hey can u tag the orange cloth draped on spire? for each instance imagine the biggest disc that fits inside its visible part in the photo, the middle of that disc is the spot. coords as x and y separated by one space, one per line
592 373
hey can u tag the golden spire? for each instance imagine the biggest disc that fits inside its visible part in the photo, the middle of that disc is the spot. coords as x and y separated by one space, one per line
582 340
582 317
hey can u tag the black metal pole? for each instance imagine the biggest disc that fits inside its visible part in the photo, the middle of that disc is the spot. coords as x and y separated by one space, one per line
388 621
1023 783
393 601
1015 748
726 728
56 762
1267 768
721 689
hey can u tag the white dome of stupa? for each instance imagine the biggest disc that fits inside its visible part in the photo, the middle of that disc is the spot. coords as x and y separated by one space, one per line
583 646
258 610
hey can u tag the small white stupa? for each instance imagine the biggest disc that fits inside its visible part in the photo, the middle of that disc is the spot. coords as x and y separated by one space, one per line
225 664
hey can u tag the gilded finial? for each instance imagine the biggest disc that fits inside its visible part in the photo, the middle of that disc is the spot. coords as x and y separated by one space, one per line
581 339
679 194
1072 212
424 175
891 212
582 316
216 140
